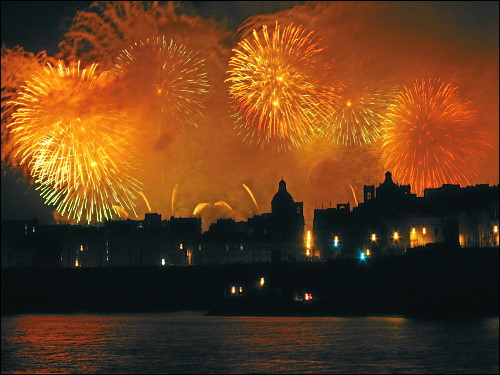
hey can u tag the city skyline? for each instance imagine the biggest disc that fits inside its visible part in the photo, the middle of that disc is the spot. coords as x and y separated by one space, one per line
214 156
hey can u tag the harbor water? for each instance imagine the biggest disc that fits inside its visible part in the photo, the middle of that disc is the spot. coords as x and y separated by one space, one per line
190 342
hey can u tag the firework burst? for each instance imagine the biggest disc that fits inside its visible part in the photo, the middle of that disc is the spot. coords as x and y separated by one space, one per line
171 79
432 138
108 27
18 66
275 85
362 113
75 143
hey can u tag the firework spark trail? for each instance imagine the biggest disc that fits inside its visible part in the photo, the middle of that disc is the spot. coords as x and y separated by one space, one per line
167 76
224 204
354 195
251 196
361 117
279 100
174 193
199 207
432 137
123 213
145 200
75 143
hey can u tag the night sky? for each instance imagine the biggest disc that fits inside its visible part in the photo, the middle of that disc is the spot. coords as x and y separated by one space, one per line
458 40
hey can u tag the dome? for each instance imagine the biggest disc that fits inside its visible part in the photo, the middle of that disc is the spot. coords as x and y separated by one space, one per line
388 189
282 199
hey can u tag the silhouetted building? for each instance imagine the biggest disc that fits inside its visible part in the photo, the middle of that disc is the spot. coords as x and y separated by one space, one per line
271 237
391 220
19 247
117 243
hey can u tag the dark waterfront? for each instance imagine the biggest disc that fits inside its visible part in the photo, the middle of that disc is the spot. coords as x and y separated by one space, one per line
418 313
189 342
447 283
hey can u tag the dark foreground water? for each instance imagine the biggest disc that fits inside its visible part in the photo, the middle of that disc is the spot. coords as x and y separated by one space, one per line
189 342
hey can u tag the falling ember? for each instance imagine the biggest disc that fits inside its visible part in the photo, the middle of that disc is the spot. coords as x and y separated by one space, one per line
145 200
174 193
172 79
224 204
251 196
354 195
280 99
199 207
75 141
432 137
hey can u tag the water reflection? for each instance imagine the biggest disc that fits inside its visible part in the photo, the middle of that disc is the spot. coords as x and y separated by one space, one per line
188 342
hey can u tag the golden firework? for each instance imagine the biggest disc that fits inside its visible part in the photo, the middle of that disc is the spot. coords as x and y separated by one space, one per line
276 85
362 113
75 142
171 79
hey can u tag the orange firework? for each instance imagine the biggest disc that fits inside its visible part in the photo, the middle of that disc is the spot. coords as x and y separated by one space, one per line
75 142
168 77
276 85
432 137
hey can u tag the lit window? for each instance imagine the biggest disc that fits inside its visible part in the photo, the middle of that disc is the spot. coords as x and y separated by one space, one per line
413 231
424 231
495 229
336 241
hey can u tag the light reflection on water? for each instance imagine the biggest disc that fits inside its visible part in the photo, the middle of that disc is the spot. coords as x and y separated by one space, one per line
189 342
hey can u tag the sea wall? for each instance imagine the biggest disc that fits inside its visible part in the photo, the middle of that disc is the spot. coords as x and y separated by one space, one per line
446 282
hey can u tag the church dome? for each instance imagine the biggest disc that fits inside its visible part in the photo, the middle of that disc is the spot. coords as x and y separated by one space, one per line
282 199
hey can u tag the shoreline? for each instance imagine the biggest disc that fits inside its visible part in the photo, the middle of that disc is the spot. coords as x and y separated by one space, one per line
451 284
